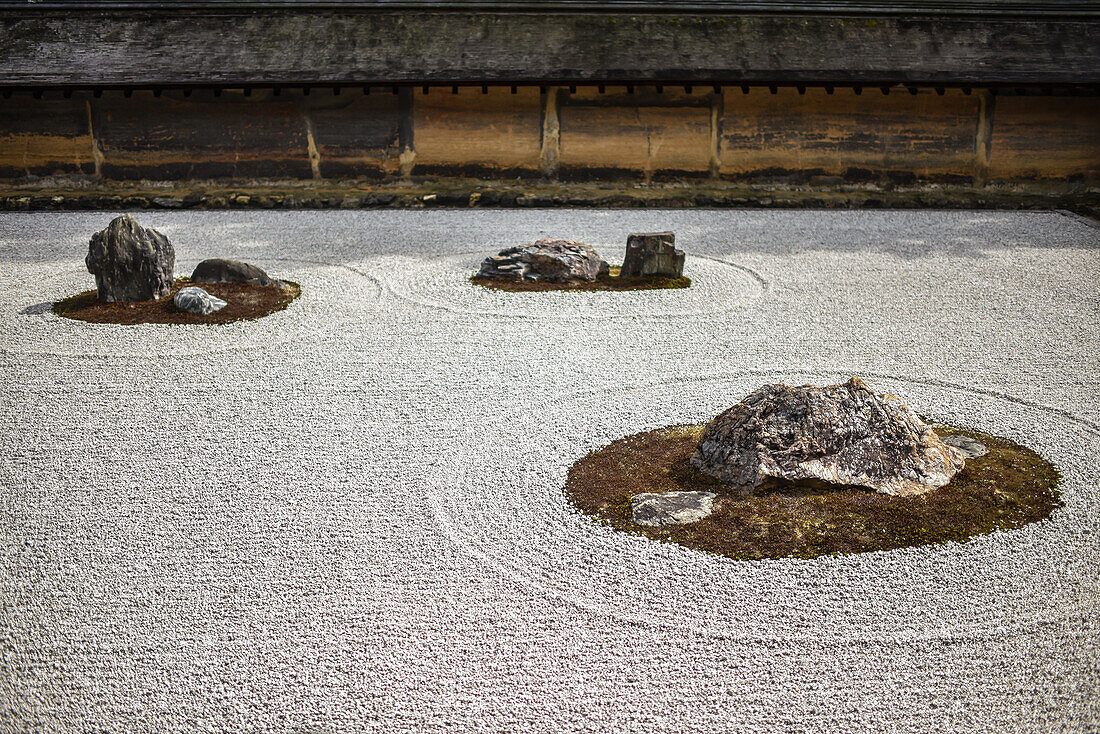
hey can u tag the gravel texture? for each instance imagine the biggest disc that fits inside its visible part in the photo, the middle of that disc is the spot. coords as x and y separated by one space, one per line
348 515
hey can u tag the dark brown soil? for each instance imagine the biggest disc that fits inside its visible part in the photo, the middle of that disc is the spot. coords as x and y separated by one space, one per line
1007 488
612 282
245 303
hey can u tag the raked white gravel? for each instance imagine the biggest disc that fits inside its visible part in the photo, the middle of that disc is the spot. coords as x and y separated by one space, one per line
348 516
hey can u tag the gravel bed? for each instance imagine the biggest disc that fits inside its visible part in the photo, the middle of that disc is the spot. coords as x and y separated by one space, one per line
347 516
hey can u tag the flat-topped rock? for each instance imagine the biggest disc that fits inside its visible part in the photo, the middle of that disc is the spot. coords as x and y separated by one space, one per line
546 260
652 255
130 262
970 447
841 435
660 509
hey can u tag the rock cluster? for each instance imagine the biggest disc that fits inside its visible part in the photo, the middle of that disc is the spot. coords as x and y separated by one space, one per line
840 435
196 300
546 260
652 255
218 270
130 262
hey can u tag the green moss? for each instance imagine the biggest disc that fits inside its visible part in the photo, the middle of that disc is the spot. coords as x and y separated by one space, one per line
612 282
1005 489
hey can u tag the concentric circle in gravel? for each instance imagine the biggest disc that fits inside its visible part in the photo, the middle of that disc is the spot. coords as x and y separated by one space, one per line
989 586
717 286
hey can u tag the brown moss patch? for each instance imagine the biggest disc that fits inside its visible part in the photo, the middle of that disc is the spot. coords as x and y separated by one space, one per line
611 282
244 303
1008 487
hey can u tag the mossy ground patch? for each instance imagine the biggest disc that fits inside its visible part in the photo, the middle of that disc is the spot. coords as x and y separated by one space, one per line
1007 488
611 282
244 303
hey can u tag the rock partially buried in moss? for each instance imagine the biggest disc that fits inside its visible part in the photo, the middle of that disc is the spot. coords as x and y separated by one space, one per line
661 509
130 262
839 436
196 300
218 270
971 448
546 260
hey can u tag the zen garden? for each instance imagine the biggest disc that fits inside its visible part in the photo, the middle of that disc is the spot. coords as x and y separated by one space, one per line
549 367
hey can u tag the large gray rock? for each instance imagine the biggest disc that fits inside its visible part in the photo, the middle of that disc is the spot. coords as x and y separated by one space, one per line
841 435
546 260
661 509
218 270
652 255
130 262
196 300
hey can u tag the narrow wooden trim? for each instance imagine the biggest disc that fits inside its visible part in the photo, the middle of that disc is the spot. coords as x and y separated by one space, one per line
983 139
717 103
311 143
97 152
406 143
550 145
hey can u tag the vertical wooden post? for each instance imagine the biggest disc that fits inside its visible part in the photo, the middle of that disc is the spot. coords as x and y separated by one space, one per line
97 152
983 139
405 142
550 144
311 143
717 103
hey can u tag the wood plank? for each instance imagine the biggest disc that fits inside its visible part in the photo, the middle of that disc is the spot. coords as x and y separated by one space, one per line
833 7
208 47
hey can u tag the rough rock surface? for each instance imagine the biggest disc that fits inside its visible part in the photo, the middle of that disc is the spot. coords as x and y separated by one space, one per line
547 260
970 448
130 262
660 509
843 435
196 300
217 270
652 255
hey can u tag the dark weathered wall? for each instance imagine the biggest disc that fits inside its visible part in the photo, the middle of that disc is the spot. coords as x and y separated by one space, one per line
209 47
586 134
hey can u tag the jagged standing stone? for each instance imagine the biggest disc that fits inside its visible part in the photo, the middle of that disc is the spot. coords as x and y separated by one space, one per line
218 270
660 509
652 255
130 262
196 300
842 435
546 260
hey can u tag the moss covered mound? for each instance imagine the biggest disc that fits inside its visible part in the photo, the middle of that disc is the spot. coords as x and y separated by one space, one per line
245 303
611 282
1008 487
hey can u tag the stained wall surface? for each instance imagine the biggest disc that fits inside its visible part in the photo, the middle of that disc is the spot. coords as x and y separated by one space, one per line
580 133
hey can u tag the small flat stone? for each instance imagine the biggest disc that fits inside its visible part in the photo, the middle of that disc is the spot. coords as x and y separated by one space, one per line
196 300
660 509
970 447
